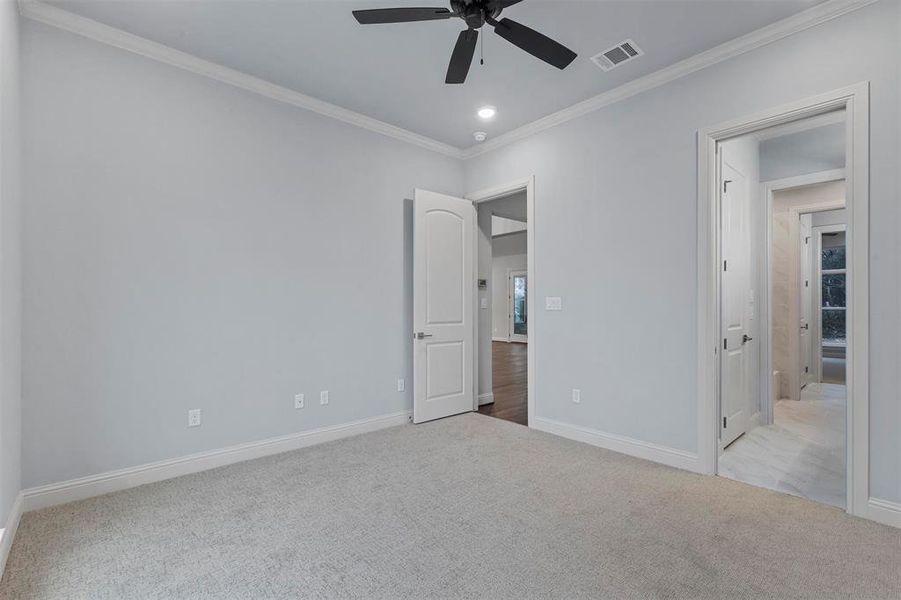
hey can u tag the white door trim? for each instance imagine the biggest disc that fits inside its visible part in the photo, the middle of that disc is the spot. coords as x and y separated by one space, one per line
526 184
511 336
818 232
855 100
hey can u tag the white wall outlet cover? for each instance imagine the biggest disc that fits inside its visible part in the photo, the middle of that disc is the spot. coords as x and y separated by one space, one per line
194 417
298 401
484 303
323 397
577 396
553 303
401 385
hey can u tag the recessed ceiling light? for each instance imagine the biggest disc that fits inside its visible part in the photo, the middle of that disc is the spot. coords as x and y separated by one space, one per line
487 112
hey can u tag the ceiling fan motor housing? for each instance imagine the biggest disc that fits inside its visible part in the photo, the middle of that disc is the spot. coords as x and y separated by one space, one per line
474 12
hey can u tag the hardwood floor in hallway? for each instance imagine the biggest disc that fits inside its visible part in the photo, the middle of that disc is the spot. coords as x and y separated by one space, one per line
510 382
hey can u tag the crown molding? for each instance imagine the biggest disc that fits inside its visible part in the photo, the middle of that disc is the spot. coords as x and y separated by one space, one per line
68 21
801 21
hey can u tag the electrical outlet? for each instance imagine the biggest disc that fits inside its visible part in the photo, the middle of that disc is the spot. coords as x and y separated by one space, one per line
194 417
401 385
577 396
298 400
323 397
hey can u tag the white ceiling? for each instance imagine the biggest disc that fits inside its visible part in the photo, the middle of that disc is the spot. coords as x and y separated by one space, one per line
395 73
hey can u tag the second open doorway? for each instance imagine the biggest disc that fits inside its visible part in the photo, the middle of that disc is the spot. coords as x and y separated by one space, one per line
504 287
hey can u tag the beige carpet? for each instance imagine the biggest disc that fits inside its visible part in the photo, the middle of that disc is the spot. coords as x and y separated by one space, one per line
466 507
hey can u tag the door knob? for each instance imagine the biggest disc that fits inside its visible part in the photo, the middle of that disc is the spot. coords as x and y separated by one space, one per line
746 338
420 335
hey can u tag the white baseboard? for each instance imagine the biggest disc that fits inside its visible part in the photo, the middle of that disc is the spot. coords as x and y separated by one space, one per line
8 533
486 398
884 511
679 459
113 481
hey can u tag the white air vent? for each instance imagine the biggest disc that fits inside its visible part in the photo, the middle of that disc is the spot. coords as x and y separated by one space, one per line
617 55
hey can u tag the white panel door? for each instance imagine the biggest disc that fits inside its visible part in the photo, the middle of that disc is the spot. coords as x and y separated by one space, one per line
443 287
806 255
736 285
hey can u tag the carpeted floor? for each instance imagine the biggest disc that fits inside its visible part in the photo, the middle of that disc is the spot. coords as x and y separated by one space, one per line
465 507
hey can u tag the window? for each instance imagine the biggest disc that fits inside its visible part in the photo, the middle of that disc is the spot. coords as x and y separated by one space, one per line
833 295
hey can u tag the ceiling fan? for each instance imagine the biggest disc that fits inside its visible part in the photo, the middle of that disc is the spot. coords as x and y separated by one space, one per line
475 13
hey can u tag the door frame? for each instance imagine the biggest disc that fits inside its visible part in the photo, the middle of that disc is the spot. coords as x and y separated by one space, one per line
765 258
526 184
818 232
511 273
855 100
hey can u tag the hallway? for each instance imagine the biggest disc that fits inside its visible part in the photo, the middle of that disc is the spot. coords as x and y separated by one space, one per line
509 363
802 453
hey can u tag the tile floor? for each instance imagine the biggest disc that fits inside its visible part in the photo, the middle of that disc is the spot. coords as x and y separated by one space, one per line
802 453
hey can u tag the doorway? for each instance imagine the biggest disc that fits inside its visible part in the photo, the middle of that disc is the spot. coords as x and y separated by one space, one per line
502 229
752 372
452 305
506 281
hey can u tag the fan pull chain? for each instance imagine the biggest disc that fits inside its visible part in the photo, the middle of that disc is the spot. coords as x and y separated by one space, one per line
482 49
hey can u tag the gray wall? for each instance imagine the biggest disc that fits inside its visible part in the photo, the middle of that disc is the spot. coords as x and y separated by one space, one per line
10 261
187 245
616 234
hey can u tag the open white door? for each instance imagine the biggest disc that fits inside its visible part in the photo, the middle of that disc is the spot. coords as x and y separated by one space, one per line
806 255
443 287
736 285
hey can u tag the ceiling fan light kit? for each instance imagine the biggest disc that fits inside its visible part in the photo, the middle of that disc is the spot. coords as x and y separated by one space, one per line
475 13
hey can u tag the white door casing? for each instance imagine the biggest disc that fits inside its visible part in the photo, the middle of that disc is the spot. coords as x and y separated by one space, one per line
804 283
443 284
736 289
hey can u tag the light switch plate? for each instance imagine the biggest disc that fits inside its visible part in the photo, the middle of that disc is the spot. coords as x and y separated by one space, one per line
298 401
401 385
553 303
194 417
323 397
577 396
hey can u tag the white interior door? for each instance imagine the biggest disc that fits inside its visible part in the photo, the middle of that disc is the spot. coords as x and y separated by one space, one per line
443 287
736 290
519 306
806 298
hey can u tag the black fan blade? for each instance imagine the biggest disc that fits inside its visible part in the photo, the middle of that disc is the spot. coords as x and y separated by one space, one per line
400 15
462 56
536 44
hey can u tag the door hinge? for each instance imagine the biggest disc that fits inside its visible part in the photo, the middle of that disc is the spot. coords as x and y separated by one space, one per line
724 422
725 265
807 369
806 283
725 183
725 341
